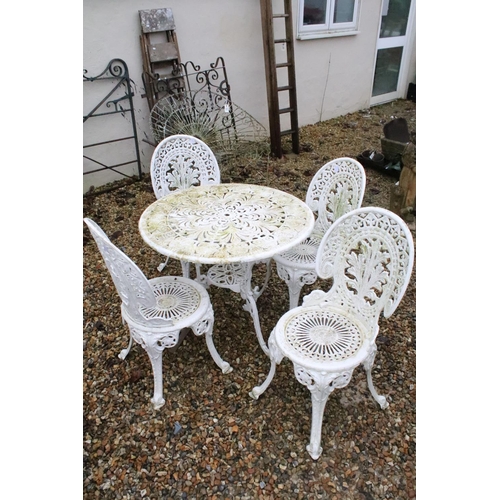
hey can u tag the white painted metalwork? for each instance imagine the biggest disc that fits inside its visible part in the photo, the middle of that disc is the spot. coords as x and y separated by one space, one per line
369 254
178 162
156 310
181 161
336 188
228 225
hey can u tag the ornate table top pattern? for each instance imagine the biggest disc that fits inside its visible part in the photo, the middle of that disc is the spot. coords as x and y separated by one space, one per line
225 223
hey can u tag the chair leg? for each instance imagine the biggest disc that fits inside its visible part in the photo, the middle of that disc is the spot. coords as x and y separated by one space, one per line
154 346
318 398
185 269
155 352
124 352
259 389
258 291
295 279
321 385
199 277
186 273
205 327
161 266
276 357
294 289
367 365
223 365
320 390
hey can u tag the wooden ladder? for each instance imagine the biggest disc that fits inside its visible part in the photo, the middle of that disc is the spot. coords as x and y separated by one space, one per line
160 54
285 84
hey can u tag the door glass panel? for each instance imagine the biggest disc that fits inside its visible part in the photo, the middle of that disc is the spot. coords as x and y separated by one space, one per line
314 12
343 11
394 18
387 70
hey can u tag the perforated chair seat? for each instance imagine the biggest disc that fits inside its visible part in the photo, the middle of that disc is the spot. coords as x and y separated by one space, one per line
302 255
322 338
178 301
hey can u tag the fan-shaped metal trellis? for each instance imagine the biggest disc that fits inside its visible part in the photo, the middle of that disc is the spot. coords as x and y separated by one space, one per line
210 116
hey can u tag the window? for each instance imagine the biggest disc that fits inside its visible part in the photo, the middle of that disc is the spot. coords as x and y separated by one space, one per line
323 18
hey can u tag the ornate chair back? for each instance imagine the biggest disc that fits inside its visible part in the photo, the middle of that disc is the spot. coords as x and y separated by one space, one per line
369 253
181 161
131 284
337 188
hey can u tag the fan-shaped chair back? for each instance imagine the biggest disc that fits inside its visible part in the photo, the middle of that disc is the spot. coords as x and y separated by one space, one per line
131 284
369 254
157 310
181 161
336 188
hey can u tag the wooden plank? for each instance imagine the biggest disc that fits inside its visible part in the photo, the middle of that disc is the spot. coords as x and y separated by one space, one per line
160 52
155 20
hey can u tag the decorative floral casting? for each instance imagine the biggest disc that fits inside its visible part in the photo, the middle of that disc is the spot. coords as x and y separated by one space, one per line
336 188
228 222
367 274
180 162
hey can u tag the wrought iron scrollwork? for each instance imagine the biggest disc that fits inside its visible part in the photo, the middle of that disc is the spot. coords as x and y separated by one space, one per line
189 77
116 68
117 73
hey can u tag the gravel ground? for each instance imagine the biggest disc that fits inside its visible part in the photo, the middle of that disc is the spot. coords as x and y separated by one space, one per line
210 439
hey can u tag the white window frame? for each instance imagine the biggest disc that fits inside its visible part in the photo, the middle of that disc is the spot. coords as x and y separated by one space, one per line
329 29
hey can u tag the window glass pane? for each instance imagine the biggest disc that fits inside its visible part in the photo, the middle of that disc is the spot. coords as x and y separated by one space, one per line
343 11
314 11
387 70
394 18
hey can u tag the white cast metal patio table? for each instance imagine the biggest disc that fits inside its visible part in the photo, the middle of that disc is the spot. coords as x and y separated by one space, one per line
224 224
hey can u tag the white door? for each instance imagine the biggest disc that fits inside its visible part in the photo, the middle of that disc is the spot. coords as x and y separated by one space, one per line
391 63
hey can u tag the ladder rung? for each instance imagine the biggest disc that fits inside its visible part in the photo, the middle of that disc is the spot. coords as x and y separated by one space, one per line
272 66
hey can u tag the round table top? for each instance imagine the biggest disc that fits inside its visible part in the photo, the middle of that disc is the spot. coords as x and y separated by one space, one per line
225 223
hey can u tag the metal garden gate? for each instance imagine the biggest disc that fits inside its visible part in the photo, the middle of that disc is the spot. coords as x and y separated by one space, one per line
117 100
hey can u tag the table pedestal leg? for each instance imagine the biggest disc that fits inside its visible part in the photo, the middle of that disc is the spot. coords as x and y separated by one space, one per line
248 296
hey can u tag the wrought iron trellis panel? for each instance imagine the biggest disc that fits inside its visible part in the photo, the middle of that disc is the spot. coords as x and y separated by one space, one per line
210 87
116 70
191 78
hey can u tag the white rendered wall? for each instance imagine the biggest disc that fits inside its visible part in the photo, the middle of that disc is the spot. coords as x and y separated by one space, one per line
334 75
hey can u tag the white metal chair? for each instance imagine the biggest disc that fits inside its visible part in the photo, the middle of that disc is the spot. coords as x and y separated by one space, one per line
335 189
369 254
157 310
181 161
178 162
